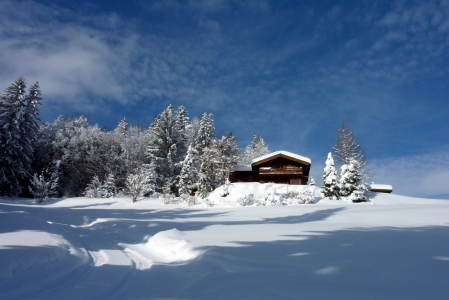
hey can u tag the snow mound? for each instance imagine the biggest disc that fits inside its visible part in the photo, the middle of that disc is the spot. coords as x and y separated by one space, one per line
25 251
260 192
165 247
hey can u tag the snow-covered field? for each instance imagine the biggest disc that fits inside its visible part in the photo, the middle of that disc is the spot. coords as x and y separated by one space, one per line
394 247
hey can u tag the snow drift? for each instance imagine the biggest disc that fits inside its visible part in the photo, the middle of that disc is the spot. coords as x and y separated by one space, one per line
164 247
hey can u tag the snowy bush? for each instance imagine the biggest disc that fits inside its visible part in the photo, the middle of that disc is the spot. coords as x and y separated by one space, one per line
305 196
42 186
246 200
136 186
190 201
358 196
184 197
225 188
261 202
273 199
291 196
207 202
168 198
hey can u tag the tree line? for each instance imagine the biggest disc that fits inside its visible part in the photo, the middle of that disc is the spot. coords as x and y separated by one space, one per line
175 155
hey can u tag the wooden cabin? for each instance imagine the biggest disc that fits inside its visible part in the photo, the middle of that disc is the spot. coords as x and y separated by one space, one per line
277 167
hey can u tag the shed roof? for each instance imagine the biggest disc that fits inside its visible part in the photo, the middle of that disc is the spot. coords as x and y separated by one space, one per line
381 187
287 154
244 168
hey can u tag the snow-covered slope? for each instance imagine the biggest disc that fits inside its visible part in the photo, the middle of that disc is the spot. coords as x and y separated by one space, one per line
393 247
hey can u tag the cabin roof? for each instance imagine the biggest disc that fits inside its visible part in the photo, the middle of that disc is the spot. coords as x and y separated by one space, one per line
286 154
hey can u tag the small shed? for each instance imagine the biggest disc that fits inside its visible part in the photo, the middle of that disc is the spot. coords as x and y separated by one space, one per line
381 188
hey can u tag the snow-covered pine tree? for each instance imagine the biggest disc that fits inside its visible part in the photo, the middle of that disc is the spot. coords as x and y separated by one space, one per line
108 188
148 172
351 158
218 159
182 117
44 185
93 188
204 179
167 134
19 115
187 177
81 150
192 130
311 181
205 132
44 152
122 127
182 143
257 148
231 154
351 180
170 176
330 183
125 149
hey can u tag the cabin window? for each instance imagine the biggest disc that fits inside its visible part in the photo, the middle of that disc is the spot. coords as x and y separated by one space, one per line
295 181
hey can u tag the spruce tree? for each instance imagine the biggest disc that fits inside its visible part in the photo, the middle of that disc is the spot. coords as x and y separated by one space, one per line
19 115
218 159
148 172
205 132
204 180
256 149
166 146
330 183
187 179
351 160
351 182
108 188
93 189
122 127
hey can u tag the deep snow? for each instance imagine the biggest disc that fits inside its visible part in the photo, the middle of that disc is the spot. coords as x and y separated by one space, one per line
394 247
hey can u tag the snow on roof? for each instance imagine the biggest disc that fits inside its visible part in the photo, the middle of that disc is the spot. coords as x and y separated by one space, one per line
243 168
286 153
383 187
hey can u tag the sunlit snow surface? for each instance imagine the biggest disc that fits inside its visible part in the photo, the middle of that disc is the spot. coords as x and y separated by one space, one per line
394 247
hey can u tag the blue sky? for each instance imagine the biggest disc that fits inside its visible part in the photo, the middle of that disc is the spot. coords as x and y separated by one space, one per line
288 70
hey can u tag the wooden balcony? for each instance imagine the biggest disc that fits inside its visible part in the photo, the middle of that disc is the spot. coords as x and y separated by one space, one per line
281 171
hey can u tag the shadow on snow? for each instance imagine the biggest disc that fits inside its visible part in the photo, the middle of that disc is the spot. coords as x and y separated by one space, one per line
377 263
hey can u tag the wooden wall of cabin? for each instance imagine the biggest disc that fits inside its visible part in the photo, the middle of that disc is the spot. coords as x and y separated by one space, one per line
243 176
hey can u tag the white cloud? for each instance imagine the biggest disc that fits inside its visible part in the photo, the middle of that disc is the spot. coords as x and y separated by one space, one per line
414 175
68 59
